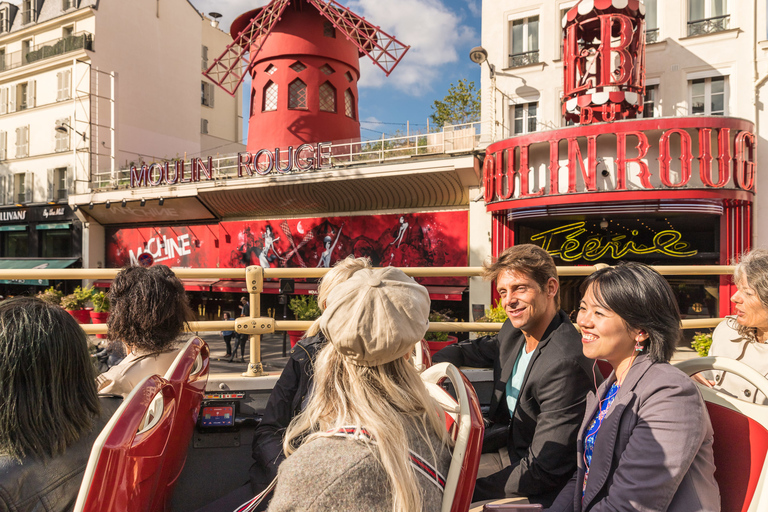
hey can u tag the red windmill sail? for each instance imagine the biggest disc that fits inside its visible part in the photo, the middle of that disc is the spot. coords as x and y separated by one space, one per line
228 71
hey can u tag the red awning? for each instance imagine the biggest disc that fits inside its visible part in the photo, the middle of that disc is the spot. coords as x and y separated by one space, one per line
445 292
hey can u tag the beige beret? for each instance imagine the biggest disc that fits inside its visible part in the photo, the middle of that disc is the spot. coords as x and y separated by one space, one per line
376 316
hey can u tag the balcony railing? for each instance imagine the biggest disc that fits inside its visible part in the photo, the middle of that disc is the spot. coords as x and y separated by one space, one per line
523 59
652 36
79 41
461 138
709 25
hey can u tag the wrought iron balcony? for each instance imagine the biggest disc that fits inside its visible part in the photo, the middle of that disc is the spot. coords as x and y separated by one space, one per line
709 25
523 59
79 41
652 36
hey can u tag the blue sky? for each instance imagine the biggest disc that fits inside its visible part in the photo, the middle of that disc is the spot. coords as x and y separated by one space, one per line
440 33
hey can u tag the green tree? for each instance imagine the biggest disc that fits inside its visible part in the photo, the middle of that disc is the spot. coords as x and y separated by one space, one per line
460 105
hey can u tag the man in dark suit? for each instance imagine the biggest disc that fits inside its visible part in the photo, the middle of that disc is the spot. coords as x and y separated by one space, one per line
541 379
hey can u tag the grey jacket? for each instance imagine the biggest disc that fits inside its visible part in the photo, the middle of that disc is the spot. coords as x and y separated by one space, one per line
341 473
653 450
34 485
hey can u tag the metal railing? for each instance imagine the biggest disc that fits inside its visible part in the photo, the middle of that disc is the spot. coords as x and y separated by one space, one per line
256 325
53 48
709 25
451 139
517 60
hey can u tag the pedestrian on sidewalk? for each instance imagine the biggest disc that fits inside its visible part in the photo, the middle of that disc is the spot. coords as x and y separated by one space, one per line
227 335
240 341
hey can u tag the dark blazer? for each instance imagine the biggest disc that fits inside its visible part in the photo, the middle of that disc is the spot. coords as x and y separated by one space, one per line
653 450
550 408
285 401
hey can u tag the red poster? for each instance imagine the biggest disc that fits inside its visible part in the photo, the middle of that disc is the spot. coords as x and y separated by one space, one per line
436 239
177 246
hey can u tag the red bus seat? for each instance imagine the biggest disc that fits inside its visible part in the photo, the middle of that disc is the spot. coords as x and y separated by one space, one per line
465 422
123 470
741 437
188 375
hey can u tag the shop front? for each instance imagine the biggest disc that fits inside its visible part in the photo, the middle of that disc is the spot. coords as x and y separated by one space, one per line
670 191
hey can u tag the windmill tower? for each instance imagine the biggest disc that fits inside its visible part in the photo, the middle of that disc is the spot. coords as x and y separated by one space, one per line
304 60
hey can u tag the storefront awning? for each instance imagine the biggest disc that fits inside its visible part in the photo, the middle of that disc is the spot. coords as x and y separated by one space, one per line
446 292
32 263
55 225
15 227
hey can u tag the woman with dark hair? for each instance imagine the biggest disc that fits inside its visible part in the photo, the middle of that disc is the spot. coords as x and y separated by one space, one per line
149 309
744 336
646 439
50 413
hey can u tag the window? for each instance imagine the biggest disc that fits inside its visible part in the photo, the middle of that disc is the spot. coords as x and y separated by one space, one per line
649 101
25 96
207 98
708 96
15 244
28 13
3 147
298 66
67 4
349 104
4 100
297 95
270 96
203 126
651 23
67 31
4 19
524 118
62 137
22 141
348 76
26 48
270 69
205 57
327 97
55 243
2 59
327 70
63 85
707 16
329 30
58 184
22 187
524 42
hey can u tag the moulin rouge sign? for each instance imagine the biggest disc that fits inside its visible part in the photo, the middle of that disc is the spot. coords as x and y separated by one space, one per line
307 157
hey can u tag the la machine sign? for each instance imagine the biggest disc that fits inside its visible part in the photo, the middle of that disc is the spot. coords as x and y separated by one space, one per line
307 157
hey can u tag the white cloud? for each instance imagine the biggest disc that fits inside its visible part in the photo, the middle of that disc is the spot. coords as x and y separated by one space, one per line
371 119
432 30
474 8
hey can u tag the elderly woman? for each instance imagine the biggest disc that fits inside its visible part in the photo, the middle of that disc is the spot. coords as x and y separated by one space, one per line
743 336
646 439
149 309
369 420
50 413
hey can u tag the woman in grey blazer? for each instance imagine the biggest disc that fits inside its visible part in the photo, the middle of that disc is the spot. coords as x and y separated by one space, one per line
646 439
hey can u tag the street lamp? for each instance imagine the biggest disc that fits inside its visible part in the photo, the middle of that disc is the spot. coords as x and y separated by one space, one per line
63 128
478 55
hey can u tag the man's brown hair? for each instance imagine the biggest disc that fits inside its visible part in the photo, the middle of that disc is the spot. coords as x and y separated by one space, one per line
527 259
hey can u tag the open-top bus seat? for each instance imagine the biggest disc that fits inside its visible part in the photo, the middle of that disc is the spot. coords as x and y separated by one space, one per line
422 358
188 375
124 467
741 437
467 431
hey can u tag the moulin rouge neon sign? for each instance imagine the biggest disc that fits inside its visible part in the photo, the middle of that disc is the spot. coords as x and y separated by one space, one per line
307 157
615 246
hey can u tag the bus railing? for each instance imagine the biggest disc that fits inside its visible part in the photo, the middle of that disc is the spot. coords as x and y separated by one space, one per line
257 325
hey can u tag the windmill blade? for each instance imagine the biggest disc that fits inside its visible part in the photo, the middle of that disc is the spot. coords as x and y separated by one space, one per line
228 70
384 50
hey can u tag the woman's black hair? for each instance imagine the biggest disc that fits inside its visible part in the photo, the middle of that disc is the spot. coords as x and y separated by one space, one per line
48 396
149 308
644 300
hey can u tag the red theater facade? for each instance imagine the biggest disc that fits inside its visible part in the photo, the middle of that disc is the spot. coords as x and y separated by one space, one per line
668 191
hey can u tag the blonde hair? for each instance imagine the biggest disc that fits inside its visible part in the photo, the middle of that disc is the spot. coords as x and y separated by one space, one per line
340 272
388 400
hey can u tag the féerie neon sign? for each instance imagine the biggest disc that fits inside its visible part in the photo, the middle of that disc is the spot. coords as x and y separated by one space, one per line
615 246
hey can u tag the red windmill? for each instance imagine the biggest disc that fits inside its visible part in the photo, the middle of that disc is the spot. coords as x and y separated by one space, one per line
304 60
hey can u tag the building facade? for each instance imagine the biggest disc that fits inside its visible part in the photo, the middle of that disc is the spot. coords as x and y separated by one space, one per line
87 87
674 185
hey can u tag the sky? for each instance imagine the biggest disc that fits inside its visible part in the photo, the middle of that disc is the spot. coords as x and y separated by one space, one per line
440 34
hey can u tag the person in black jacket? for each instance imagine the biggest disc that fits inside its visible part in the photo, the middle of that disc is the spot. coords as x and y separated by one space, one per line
541 379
